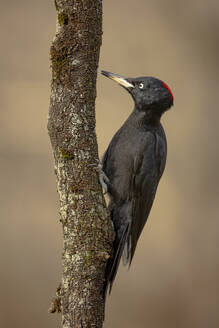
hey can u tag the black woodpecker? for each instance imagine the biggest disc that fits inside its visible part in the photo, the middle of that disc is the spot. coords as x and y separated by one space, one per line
133 165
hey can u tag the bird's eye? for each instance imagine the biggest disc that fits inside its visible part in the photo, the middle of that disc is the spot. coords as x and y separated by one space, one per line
141 85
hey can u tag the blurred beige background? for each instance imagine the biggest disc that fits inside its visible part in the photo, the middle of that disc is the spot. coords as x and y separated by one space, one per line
174 278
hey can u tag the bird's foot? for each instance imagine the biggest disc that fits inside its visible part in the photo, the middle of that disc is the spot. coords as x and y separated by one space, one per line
104 180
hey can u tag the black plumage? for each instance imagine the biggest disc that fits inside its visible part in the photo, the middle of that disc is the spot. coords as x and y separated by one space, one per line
133 165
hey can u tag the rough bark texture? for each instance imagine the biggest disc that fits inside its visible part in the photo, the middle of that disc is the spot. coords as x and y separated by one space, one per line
87 230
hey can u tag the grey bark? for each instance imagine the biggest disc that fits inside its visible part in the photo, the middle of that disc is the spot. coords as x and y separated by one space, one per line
87 230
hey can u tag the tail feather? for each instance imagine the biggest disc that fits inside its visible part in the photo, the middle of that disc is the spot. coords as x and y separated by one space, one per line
113 264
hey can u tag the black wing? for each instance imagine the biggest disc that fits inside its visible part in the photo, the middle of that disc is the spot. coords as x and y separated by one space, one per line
134 175
148 169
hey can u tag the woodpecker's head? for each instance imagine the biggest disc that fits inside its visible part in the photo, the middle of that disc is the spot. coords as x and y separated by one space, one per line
147 92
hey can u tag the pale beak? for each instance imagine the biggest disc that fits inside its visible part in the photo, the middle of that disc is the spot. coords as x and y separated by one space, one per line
123 81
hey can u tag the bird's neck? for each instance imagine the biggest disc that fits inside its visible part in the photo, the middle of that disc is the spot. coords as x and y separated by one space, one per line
143 118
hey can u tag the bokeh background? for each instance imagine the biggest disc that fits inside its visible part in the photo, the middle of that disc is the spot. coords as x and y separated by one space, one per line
174 278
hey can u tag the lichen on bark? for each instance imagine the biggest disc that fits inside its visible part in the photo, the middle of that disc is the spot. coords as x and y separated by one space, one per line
87 229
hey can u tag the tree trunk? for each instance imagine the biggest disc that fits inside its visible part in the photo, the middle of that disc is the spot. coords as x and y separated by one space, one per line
87 230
